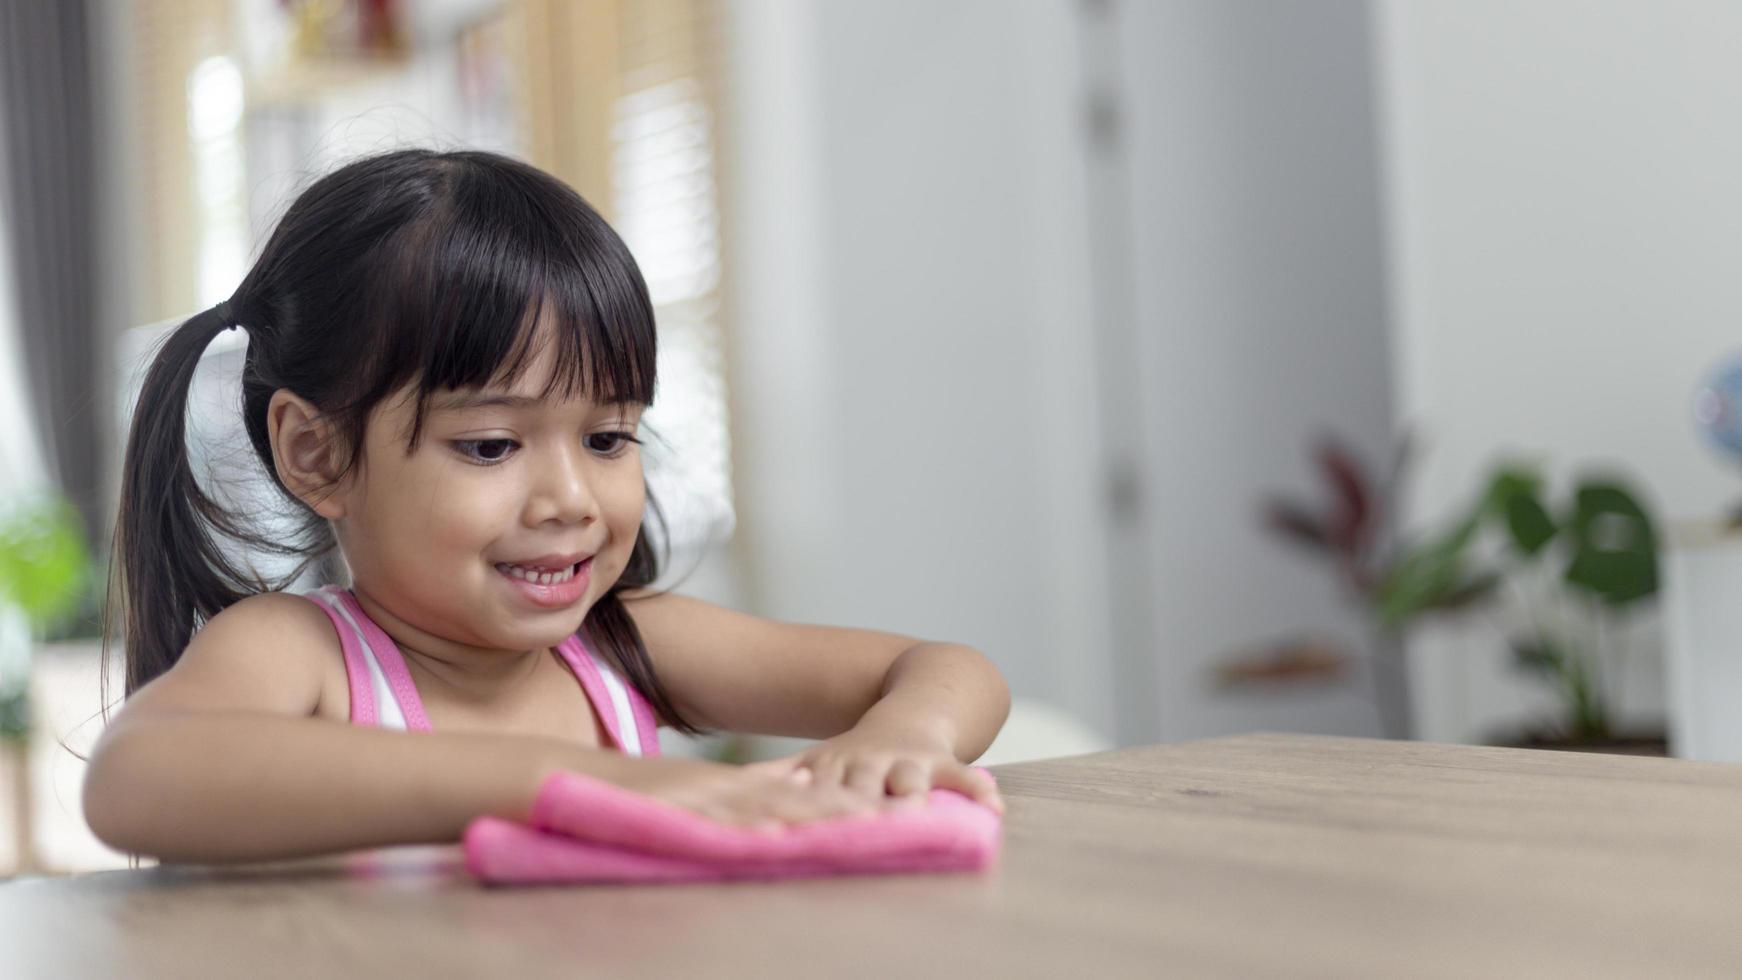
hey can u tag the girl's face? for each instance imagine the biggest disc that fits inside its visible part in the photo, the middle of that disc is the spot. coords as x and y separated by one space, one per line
474 537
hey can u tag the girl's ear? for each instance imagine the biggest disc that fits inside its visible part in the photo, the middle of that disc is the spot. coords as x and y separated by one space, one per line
306 452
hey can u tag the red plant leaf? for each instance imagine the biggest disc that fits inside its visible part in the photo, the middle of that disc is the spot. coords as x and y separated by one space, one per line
1296 524
1352 512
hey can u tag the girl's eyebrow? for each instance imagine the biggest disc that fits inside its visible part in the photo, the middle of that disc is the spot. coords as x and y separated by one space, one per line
455 401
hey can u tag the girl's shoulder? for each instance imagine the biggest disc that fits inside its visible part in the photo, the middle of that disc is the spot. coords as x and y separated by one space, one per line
315 637
281 619
271 652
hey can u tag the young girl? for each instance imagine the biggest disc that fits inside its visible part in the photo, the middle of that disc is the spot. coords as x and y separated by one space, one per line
448 358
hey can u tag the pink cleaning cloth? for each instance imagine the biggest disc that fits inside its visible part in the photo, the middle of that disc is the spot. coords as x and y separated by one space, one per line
588 830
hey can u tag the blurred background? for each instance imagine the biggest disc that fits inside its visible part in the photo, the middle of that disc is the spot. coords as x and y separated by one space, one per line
1360 367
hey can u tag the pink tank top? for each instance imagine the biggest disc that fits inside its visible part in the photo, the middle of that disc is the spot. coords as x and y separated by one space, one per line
383 695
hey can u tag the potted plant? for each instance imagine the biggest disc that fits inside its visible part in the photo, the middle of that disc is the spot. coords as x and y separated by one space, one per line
1395 582
43 568
1595 556
1595 553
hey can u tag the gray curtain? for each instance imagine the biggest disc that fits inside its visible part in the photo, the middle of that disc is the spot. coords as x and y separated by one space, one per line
48 174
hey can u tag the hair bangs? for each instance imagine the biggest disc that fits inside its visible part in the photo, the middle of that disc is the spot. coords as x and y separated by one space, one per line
500 270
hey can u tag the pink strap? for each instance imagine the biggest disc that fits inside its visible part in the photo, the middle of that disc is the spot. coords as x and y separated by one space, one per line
580 660
645 722
363 708
392 664
356 671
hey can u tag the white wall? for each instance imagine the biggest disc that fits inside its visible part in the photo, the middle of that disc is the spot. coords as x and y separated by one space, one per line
1563 187
1255 236
912 368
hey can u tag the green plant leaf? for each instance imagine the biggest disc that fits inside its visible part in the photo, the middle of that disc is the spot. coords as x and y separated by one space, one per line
1425 574
15 714
1466 592
1614 546
1537 656
42 558
1515 497
1529 521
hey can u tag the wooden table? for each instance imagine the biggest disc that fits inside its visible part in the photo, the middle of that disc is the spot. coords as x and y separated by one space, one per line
1258 855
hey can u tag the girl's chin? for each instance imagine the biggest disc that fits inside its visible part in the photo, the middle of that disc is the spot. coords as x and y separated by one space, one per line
532 628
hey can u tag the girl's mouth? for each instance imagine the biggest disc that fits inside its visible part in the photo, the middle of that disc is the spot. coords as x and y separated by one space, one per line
551 589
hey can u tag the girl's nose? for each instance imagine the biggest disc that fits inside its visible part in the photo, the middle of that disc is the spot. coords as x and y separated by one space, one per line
562 493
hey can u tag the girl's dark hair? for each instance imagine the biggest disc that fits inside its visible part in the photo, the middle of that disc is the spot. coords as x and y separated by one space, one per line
410 266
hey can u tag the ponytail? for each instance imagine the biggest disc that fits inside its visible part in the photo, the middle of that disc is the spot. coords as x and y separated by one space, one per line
170 573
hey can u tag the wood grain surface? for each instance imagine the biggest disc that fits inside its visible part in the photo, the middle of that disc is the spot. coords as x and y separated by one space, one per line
1249 856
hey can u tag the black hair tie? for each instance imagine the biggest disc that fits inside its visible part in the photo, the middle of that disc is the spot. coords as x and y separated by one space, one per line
225 317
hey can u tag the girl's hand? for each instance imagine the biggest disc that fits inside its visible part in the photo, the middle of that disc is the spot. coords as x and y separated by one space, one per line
762 795
869 760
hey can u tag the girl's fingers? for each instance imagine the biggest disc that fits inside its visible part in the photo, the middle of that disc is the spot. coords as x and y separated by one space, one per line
908 778
829 772
834 801
783 766
976 785
820 788
867 777
791 770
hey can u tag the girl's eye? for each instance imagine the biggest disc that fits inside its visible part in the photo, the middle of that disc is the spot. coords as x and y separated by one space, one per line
485 451
610 443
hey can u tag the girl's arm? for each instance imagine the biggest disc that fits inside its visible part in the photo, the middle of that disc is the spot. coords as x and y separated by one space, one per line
877 694
211 787
220 760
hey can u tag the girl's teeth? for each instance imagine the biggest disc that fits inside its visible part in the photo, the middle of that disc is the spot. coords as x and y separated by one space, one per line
534 575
